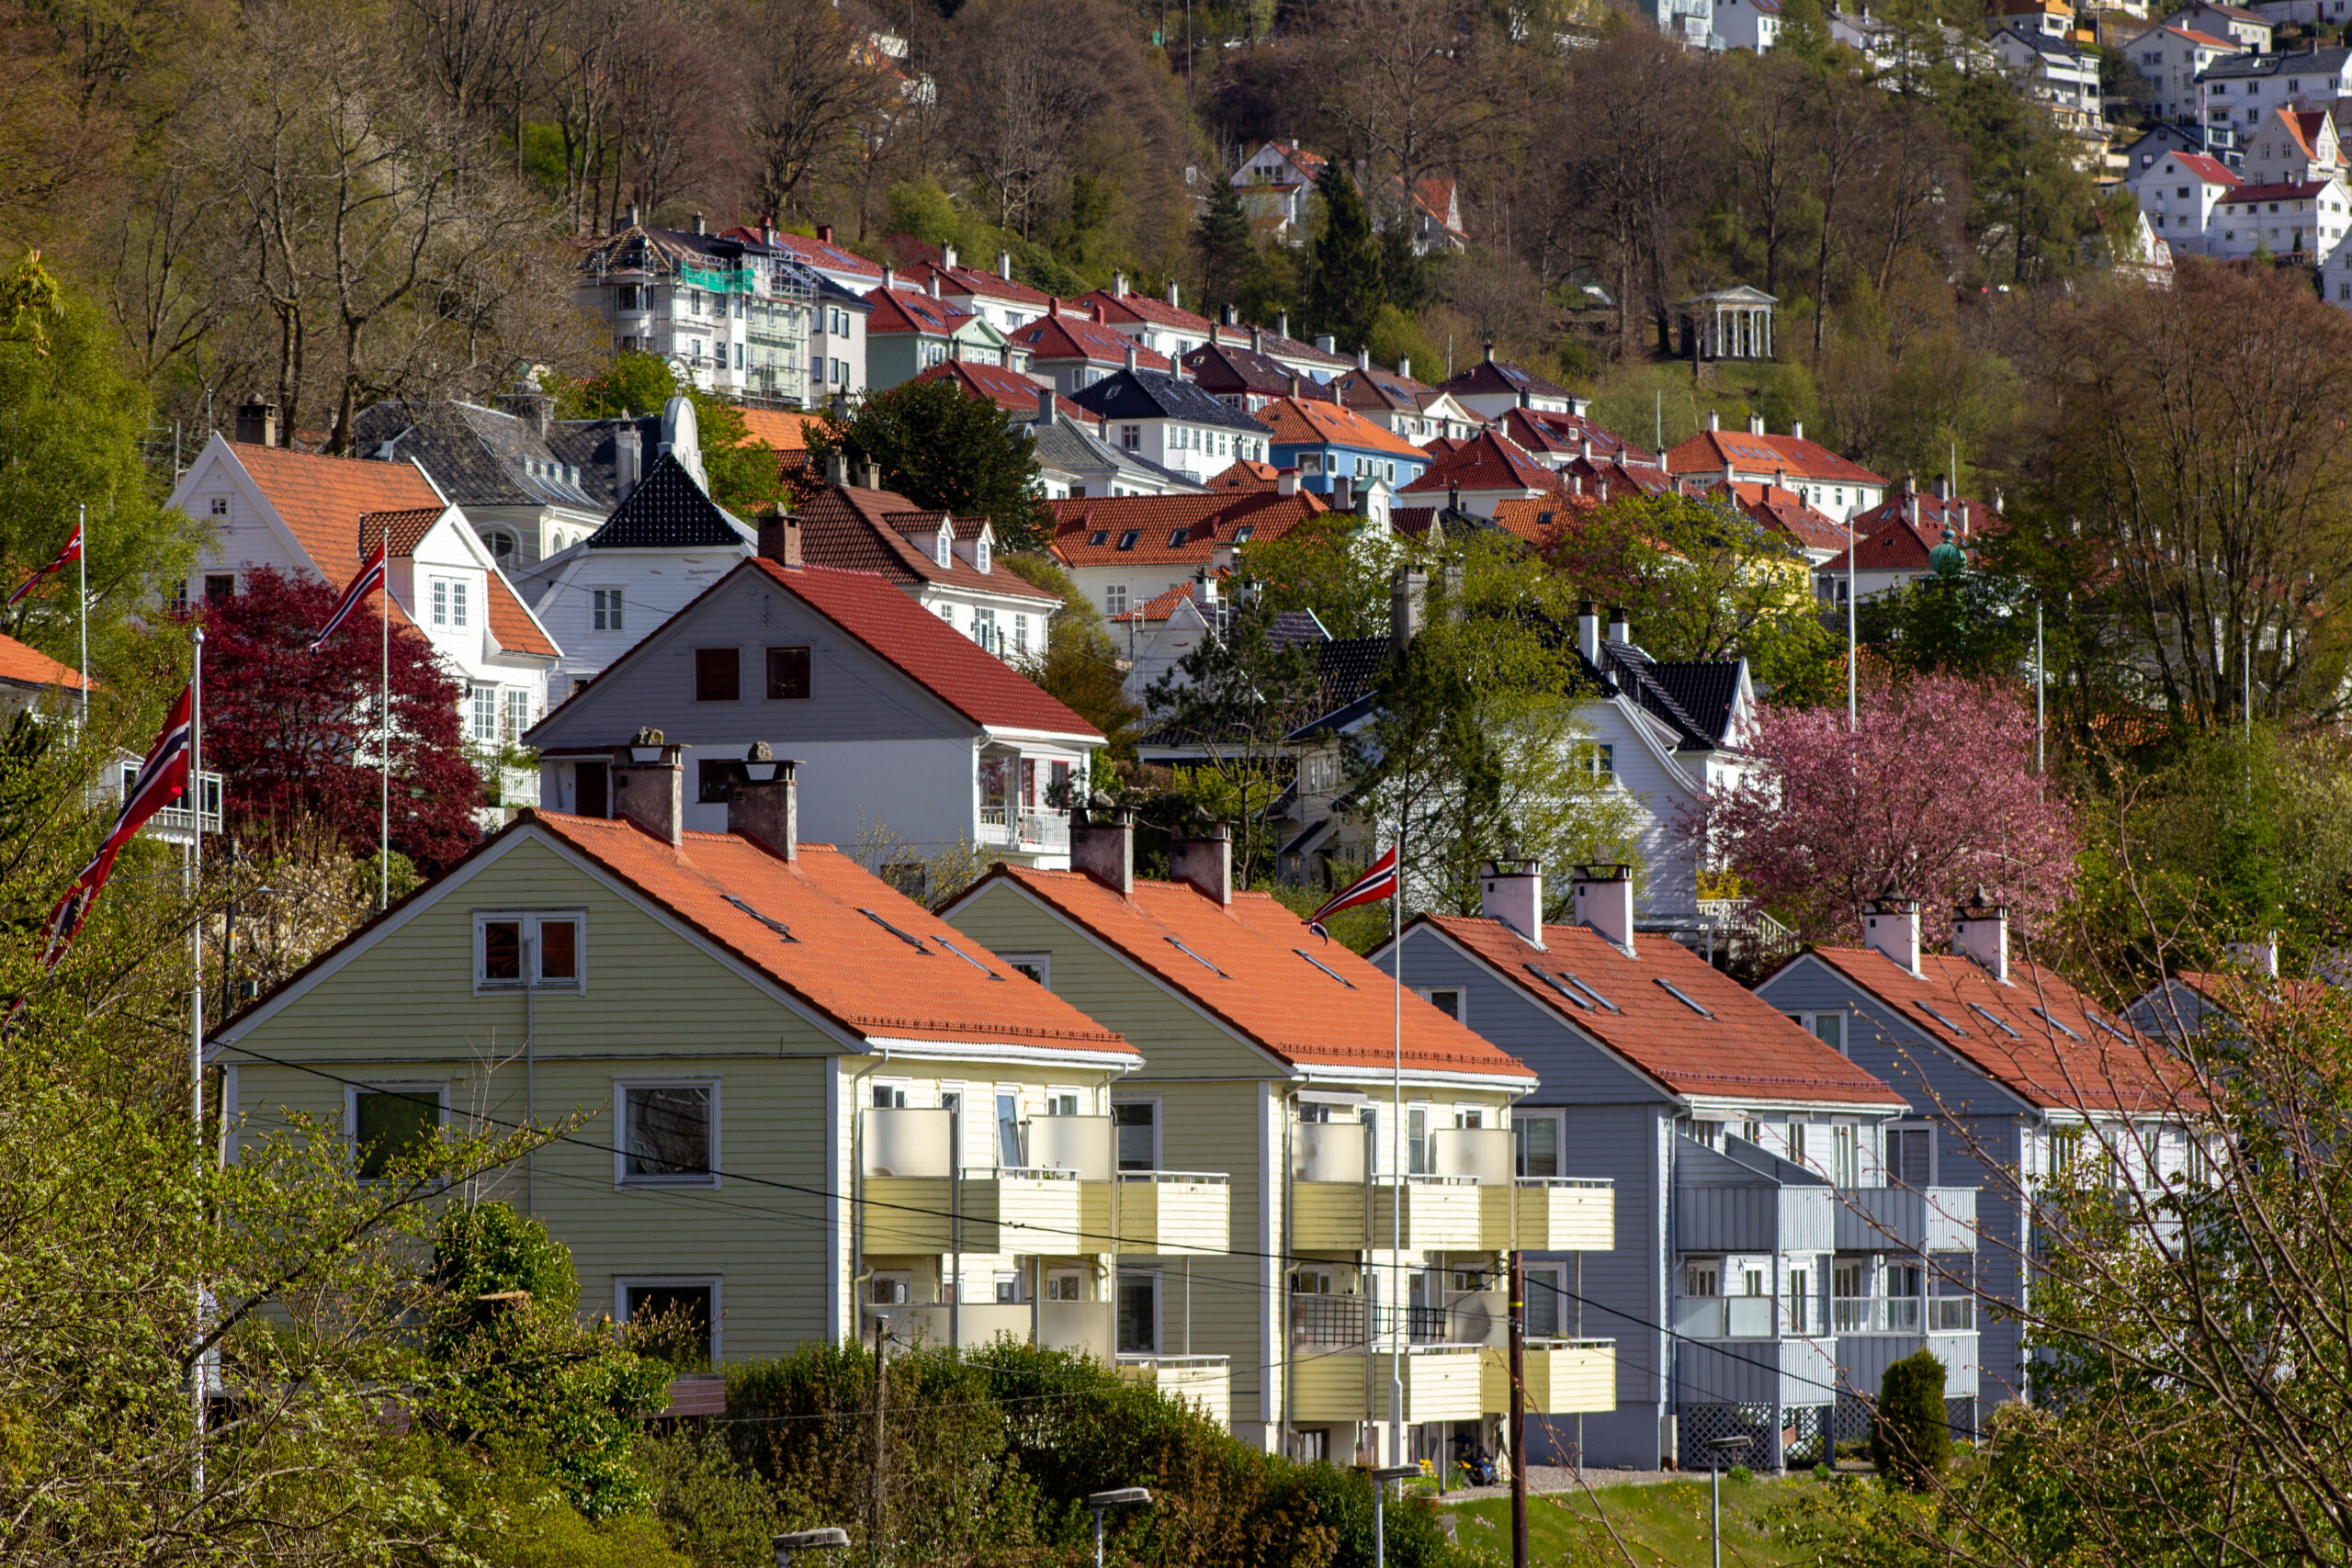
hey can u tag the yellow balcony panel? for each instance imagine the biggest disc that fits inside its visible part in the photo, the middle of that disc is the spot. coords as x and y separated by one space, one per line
1564 1377
907 1214
1082 1328
1327 1216
1176 1212
1442 1214
1442 1383
1006 1211
1560 1214
1204 1383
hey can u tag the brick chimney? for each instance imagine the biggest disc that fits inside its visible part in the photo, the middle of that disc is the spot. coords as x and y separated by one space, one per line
1511 890
1102 845
257 423
824 233
765 805
1604 900
649 780
1980 929
1202 856
780 537
1891 925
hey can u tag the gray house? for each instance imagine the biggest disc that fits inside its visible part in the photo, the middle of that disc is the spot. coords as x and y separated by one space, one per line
1747 1156
2010 1074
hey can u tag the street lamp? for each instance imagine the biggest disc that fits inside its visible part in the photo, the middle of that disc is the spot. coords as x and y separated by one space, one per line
830 1539
1718 1448
1099 1501
1380 1480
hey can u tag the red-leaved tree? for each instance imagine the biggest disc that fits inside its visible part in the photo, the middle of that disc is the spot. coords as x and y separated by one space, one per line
293 732
1933 792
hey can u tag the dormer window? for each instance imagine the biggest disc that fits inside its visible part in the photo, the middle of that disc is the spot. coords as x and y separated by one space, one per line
981 552
943 547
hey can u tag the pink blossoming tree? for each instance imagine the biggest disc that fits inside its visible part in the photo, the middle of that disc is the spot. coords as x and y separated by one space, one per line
1934 792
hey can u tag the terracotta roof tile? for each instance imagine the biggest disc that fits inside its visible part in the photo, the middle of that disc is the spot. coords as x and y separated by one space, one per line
1055 338
1787 513
1205 521
321 499
516 629
1254 964
1747 1049
1148 308
908 311
839 958
785 431
1751 454
1304 422
23 666
1486 461
1539 520
853 529
1008 390
1538 431
2287 190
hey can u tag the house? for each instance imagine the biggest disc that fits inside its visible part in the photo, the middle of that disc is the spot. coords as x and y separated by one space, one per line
993 297
1165 419
1752 25
1559 440
2051 19
1815 534
837 338
1747 1290
1325 440
1163 326
2171 60
1689 22
32 681
317 518
1320 361
1832 485
2294 145
2007 1069
2245 27
1074 461
1122 551
2243 90
2302 219
2190 1003
513 469
931 745
1727 323
945 564
1895 542
2179 196
1482 472
785 1075
1370 1241
1011 391
1073 350
1244 378
1402 406
2170 136
2052 70
837 265
1276 182
908 332
730 314
2309 13
1490 387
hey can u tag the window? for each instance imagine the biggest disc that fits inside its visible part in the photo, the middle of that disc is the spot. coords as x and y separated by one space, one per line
556 942
1544 1299
1114 598
1176 537
1136 1126
890 1289
1127 539
718 674
1796 1143
1131 436
1800 1296
1138 1331
1020 637
1065 1286
1911 1157
1600 758
693 1304
389 1124
485 712
606 614
1828 1027
1702 1276
220 506
1011 1145
1447 1000
890 1094
440 602
1063 1102
984 630
220 587
669 1134
1846 1157
981 552
1417 1140
1038 967
517 718
787 674
1535 1139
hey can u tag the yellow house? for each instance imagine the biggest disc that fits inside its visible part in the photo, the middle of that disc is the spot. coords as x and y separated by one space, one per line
1366 1267
809 1102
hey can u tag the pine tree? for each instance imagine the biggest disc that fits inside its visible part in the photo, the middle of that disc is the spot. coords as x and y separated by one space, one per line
1344 290
1911 1437
1224 240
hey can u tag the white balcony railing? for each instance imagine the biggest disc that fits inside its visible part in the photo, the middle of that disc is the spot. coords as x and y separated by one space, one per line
1723 1317
1902 1314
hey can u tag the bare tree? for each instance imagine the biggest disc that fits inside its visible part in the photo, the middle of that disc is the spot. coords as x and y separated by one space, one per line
817 87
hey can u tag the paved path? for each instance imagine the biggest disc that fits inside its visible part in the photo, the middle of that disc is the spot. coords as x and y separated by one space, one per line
1545 1478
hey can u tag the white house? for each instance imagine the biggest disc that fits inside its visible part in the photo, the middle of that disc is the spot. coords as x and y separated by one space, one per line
2242 91
2054 71
1275 182
1833 485
1752 25
2278 13
314 517
732 315
2179 195
1490 387
946 564
2246 28
1164 326
2170 59
2305 218
2293 144
1168 420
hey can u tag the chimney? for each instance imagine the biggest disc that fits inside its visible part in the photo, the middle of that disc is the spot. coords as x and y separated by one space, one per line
628 459
257 423
1755 424
1490 351
947 257
1796 430
633 219
1454 498
1891 925
1256 340
824 233
767 229
1363 359
648 785
889 276
1102 845
780 541
1281 324
698 228
1045 408
1202 855
1295 390
1943 487
1004 266
1604 900
1326 344
1343 493
1619 630
1175 297
1584 444
1408 592
1589 632
1232 317
1511 890
872 474
934 283
765 805
1405 367
1287 482
836 467
1980 929
1131 359
1713 422
1118 285
1052 305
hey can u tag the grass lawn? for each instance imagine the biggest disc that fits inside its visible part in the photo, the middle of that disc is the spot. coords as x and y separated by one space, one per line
1660 1524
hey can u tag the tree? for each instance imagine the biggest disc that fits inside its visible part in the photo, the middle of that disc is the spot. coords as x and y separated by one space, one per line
294 733
1933 794
1326 563
1080 667
816 87
1344 292
944 449
1910 1433
1226 246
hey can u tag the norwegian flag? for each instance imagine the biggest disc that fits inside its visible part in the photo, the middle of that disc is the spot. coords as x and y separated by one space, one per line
1378 882
370 578
65 557
162 778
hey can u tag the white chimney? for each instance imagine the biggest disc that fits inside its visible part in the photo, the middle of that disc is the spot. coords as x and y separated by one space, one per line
1796 430
1604 900
1511 891
1004 266
1118 285
1589 632
889 276
1175 297
1891 925
1714 423
1363 359
1755 424
1980 929
1287 482
947 257
2258 958
1620 629
1131 357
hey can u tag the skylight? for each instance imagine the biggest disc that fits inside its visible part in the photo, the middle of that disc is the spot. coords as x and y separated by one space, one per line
1589 991
1941 1018
1560 985
968 958
1676 992
1325 968
1099 537
1198 958
913 941
2055 1024
2102 1023
1241 535
1176 537
1994 1022
1127 540
776 926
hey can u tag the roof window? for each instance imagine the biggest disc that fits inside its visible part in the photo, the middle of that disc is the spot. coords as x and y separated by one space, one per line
1560 985
1941 1018
1198 958
2055 1024
1099 538
968 958
1589 991
776 926
1996 1022
913 941
1673 990
1127 540
1241 535
1326 968
1176 537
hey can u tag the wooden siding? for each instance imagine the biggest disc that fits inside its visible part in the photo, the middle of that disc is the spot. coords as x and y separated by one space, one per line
1562 1380
1793 1373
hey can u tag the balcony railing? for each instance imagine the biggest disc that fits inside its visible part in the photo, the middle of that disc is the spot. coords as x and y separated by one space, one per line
1724 1317
1339 1321
1902 1314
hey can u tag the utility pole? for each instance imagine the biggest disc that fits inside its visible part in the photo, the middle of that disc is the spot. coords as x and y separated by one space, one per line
881 1400
1518 1409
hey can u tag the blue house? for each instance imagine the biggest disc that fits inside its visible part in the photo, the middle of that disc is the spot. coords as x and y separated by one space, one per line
1327 443
1764 1269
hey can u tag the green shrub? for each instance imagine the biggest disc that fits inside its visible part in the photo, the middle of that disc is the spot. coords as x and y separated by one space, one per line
1910 1437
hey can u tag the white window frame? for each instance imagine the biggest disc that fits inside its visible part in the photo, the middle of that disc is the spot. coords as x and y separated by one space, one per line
903 1277
621 1086
532 921
607 612
414 1089
1888 1173
1159 1127
1559 1120
1461 994
1159 1313
902 1089
622 1283
1059 1093
1041 962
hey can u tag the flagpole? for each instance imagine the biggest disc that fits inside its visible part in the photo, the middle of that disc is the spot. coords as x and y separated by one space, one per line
1397 1156
196 997
384 816
1851 671
82 566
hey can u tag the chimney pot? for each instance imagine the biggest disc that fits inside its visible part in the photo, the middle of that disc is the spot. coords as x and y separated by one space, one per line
1363 359
1604 900
1589 632
1202 856
765 805
1102 845
649 786
947 257
1891 925
1980 929
1131 357
1796 430
1175 297
1118 285
780 538
1004 266
934 283
1511 890
889 276
837 467
1232 317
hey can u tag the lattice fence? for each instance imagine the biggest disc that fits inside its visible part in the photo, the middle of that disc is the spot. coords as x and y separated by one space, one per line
1961 1415
1698 1425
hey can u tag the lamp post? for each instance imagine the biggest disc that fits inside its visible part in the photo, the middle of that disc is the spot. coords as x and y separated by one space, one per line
1380 1480
1099 1502
829 1539
1717 1448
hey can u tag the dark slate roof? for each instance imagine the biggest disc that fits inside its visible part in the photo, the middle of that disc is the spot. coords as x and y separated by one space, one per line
588 444
668 510
2041 43
1229 367
1071 448
1156 394
1348 665
1658 689
2310 62
1705 690
1495 376
478 456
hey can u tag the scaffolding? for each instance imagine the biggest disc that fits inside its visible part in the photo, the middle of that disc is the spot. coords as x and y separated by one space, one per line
651 289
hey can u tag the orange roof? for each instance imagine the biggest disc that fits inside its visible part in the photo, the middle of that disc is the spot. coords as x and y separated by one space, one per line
321 501
1741 1047
1246 474
1254 964
855 529
2076 1058
1486 461
1067 336
1787 513
1302 422
23 666
1172 530
1008 390
780 428
1752 453
840 960
1132 306
1538 519
516 628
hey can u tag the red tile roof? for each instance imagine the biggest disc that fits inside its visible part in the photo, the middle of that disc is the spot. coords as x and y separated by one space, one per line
1538 519
972 282
838 959
1538 431
1008 390
1787 513
853 529
23 666
1242 963
1158 607
785 431
907 311
1247 475
926 649
1206 521
1055 338
1750 454
321 501
1746 1050
2286 190
1967 519
1308 423
1148 308
516 629
2033 1057
1486 461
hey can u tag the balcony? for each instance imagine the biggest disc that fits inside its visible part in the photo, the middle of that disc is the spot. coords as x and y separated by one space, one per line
1042 831
1724 1317
1204 1383
1080 1328
1555 1214
1902 1219
1734 1368
1902 1314
1174 1212
1563 1377
1442 1383
1874 1332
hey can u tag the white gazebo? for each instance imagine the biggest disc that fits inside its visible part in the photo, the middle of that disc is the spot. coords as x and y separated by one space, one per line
1727 324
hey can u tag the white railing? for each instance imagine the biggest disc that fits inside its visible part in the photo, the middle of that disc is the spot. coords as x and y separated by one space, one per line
1724 1317
1902 1314
1205 1177
1045 830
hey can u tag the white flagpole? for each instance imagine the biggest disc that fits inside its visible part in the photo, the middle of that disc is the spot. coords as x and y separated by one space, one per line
1850 670
197 1371
81 562
384 816
1397 1157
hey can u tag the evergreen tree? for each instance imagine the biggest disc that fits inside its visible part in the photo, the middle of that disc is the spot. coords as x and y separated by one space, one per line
940 447
1911 1437
1344 289
1226 251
